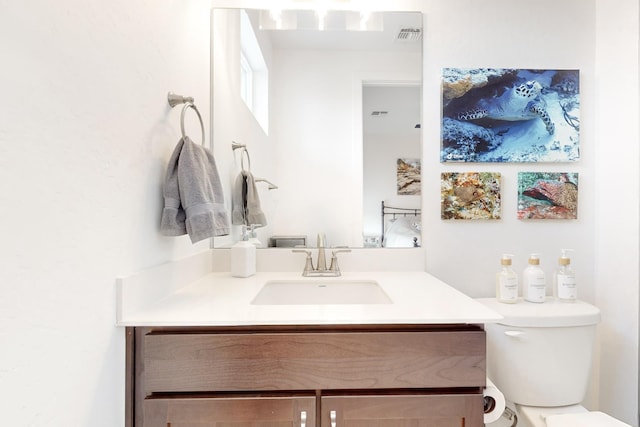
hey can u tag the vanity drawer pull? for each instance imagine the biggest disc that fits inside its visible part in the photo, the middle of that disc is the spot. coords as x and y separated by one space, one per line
332 416
303 419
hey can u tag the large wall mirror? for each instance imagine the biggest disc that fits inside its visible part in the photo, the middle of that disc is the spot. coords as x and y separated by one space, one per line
328 108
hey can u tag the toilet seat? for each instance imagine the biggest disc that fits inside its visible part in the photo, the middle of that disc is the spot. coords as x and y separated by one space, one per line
584 419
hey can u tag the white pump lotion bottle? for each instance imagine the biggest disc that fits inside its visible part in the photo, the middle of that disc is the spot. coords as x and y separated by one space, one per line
507 281
564 280
534 283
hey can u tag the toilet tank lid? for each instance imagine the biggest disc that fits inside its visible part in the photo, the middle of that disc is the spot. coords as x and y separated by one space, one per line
550 314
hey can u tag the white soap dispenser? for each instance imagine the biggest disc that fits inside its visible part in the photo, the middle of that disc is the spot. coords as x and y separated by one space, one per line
243 257
534 283
564 280
507 281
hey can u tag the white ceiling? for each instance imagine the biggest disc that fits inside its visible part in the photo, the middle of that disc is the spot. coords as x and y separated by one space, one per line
312 38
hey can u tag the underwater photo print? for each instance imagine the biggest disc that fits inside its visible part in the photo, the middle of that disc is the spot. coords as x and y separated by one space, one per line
470 195
547 195
510 115
408 173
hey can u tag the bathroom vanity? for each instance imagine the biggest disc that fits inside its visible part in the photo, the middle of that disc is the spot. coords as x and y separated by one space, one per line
205 354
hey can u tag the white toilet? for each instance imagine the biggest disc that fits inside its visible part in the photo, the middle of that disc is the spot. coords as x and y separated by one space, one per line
539 356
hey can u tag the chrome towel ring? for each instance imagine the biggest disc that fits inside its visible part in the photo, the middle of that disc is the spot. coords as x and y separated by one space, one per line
243 150
174 100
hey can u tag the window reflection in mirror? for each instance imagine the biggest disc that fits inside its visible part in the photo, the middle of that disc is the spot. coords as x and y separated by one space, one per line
315 144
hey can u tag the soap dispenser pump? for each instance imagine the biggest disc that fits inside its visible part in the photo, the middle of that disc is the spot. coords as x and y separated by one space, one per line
243 257
564 280
253 235
507 281
534 283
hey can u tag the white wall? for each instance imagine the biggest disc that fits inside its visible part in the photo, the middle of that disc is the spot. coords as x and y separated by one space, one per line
85 133
616 207
319 166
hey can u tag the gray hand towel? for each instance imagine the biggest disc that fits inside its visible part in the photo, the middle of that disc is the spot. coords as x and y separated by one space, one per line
238 200
201 193
255 215
173 215
193 196
246 207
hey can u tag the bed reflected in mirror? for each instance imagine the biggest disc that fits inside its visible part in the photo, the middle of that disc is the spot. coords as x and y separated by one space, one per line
401 227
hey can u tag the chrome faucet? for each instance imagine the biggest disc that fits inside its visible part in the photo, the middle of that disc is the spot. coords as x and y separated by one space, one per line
321 270
322 261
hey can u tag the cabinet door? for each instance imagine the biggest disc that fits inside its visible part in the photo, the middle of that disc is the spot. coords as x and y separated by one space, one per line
456 410
230 412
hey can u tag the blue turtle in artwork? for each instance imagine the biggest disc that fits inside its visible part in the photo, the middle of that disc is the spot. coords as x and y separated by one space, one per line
520 102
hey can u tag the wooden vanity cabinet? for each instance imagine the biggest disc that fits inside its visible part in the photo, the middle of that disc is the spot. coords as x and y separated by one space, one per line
325 376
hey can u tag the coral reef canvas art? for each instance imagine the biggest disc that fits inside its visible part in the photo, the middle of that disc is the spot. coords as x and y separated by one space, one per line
470 195
547 195
510 115
408 172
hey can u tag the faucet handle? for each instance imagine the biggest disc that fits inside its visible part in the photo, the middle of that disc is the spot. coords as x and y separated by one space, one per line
308 265
334 260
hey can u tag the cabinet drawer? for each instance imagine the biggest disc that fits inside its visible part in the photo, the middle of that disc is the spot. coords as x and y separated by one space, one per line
239 412
403 411
313 361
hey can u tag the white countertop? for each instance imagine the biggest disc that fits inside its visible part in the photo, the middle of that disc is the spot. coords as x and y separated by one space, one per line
217 299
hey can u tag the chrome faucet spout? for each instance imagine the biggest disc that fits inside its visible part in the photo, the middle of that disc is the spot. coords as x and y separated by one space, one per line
322 259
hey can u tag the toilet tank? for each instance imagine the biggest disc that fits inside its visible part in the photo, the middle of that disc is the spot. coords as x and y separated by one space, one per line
541 354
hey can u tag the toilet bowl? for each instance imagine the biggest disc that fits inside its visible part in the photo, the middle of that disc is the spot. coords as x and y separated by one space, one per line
539 356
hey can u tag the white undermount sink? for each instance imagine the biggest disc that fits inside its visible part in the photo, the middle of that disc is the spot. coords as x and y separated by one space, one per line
321 291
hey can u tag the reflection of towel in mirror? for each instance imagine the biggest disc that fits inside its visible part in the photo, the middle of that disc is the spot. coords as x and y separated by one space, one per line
246 202
193 195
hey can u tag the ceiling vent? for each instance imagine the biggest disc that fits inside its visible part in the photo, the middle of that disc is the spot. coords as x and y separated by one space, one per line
409 35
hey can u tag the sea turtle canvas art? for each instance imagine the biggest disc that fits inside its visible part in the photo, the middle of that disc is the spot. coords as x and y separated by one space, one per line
510 115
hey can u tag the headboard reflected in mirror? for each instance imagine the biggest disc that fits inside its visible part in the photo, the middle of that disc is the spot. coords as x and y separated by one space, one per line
326 109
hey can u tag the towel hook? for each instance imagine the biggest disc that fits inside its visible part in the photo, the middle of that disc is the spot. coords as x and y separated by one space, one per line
178 99
174 100
236 145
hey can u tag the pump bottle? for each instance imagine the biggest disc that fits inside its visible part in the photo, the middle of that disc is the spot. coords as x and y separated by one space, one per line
506 281
564 280
534 283
243 257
